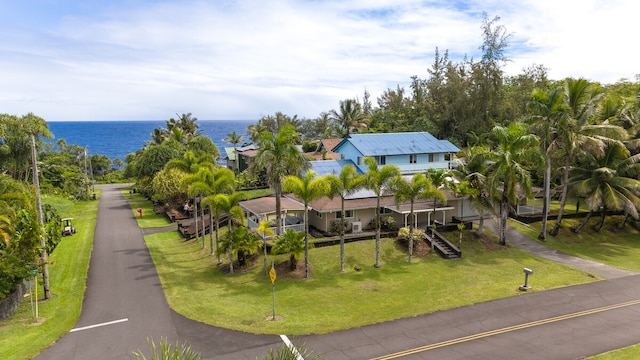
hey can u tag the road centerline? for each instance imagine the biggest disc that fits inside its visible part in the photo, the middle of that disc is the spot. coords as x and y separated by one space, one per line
99 325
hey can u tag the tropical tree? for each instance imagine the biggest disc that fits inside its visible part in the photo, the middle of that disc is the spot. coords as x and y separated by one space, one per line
608 182
307 190
440 180
472 167
235 139
193 164
292 243
509 173
347 183
377 180
418 187
349 116
264 228
548 117
228 203
278 157
463 189
242 242
578 132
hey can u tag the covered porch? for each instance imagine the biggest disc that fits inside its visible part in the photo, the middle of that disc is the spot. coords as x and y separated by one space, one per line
264 209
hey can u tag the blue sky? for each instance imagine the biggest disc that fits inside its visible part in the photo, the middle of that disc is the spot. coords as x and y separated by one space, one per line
147 60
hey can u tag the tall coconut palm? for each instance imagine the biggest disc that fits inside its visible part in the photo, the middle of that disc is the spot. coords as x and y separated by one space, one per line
349 116
307 190
473 167
235 139
418 187
548 114
577 132
347 183
278 157
607 182
509 174
377 180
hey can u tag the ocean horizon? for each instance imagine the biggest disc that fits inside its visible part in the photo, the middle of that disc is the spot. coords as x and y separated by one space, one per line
117 138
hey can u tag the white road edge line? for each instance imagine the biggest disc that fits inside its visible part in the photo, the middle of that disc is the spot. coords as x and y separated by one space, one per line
98 325
293 349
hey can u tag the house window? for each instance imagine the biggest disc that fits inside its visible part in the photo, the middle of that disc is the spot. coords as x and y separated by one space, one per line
319 214
447 157
382 160
347 214
342 157
413 159
384 210
431 157
359 160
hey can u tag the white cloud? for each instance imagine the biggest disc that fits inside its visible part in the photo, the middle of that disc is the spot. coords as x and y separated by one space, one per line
245 59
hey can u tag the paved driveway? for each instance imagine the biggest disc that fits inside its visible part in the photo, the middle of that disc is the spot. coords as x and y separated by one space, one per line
124 304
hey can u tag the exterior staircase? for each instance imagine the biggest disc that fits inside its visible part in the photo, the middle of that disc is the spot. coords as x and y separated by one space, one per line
443 246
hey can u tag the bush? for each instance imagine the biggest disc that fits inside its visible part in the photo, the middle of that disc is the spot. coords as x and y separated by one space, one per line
387 223
334 226
418 234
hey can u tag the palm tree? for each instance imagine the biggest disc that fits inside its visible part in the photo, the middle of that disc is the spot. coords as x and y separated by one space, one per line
472 167
207 182
229 205
607 182
264 228
235 139
344 185
349 116
577 132
548 114
308 189
419 187
241 241
191 163
278 157
509 174
377 180
439 179
292 243
462 189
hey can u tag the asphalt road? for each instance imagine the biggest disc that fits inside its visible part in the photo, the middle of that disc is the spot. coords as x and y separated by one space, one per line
124 304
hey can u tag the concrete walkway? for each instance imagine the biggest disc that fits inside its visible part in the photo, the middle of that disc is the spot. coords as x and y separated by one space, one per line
518 239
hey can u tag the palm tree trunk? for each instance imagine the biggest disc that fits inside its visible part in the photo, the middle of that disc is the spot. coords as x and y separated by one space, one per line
411 232
547 198
377 264
195 216
583 222
218 236
342 235
43 239
563 197
306 243
210 232
277 187
204 230
504 210
600 223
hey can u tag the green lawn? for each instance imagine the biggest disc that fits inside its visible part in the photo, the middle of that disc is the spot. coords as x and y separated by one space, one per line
331 301
20 336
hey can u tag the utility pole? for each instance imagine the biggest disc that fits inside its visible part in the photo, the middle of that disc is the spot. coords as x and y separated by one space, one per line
43 240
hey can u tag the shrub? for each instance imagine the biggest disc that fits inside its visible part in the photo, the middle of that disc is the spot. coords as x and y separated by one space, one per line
334 226
418 234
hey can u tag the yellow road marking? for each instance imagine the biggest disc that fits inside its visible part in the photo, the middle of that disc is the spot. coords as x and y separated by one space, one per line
504 330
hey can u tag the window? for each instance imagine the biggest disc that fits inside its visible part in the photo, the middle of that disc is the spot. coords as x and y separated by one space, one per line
319 214
359 160
347 214
431 157
382 160
413 159
384 210
342 157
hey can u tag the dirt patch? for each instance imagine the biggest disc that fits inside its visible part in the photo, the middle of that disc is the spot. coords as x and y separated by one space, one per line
283 270
420 247
489 242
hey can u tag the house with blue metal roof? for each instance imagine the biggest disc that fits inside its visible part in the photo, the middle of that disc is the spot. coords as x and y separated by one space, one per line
411 152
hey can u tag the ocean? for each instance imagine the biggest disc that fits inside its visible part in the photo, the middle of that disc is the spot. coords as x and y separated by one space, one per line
116 139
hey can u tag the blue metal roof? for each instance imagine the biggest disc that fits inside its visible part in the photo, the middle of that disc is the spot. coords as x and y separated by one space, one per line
398 144
326 167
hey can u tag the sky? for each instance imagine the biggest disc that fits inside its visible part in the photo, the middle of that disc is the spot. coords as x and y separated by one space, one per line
226 60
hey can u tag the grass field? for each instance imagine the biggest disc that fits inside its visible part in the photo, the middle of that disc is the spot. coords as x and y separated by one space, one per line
198 288
23 338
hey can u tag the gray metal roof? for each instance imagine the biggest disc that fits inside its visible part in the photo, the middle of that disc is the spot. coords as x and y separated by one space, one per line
326 167
398 144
